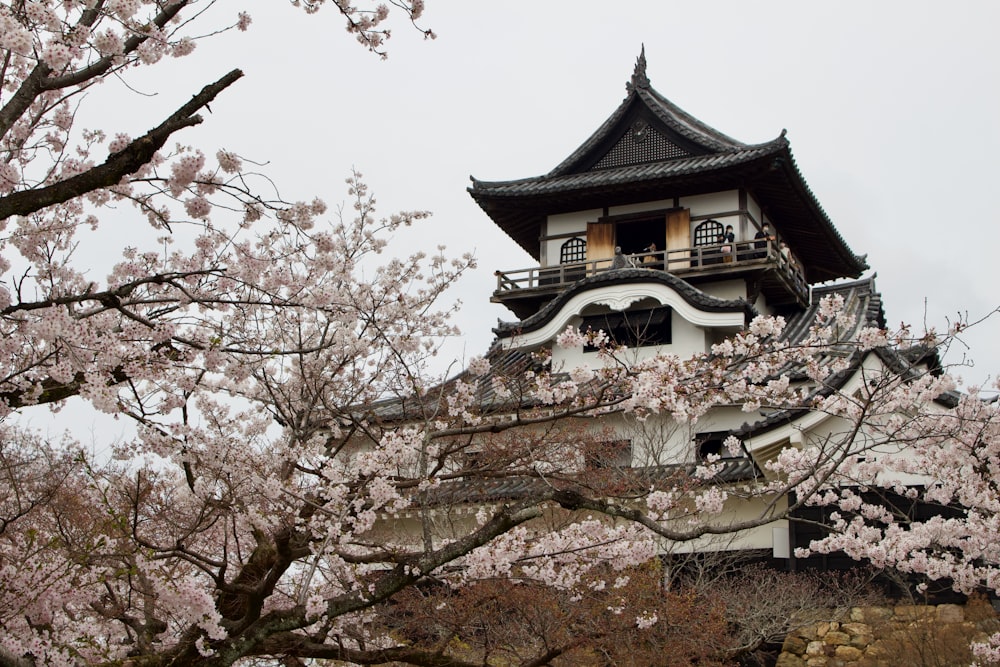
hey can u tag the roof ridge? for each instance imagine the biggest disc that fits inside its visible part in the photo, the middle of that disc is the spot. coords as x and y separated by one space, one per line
672 116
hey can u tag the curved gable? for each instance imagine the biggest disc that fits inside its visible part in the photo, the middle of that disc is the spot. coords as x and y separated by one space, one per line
618 290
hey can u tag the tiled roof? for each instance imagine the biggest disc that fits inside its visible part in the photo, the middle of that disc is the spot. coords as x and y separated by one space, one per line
864 305
498 489
568 182
669 153
647 112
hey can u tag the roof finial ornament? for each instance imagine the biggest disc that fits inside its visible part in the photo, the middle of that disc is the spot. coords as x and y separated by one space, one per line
639 78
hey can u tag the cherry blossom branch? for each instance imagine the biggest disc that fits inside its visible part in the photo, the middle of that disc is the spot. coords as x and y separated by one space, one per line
119 164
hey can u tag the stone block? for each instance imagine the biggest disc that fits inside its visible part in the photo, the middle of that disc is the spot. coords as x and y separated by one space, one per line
912 612
872 614
849 653
950 613
855 629
815 648
795 644
862 641
789 660
837 638
877 650
869 636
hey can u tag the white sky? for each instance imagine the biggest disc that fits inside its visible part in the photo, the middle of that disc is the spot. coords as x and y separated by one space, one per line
892 110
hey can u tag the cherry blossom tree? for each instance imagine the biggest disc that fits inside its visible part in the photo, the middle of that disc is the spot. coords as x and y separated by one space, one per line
299 467
492 622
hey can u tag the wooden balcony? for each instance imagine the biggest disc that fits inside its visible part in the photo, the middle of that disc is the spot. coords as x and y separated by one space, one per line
524 290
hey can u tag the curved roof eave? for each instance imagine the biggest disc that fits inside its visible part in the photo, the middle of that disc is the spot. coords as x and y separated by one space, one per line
854 263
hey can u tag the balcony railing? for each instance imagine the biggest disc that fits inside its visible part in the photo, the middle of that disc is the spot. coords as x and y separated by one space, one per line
679 261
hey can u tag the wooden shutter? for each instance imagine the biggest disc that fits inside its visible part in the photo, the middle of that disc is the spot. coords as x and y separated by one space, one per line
678 239
600 242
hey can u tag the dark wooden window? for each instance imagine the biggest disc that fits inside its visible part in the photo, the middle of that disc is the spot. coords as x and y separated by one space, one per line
574 250
633 328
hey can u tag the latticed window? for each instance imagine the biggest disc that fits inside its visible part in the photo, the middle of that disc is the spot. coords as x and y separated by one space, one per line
574 250
707 233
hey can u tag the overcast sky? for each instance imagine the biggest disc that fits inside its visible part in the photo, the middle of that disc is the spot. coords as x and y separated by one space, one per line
892 110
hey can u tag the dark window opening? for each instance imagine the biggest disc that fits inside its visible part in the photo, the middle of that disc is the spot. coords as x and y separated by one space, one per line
574 250
712 443
636 236
808 523
634 328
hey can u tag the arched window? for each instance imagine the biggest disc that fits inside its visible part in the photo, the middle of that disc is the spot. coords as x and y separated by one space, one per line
574 250
707 233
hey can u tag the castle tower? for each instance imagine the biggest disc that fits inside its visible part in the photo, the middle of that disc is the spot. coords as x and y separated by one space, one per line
663 188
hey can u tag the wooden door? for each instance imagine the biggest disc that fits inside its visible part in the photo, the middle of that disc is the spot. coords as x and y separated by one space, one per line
600 243
678 239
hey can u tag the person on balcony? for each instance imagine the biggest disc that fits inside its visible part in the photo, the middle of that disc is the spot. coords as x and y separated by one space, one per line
728 241
793 263
761 239
650 260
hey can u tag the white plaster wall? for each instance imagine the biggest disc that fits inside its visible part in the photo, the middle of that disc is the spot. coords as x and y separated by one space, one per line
449 523
657 205
837 430
686 338
726 289
712 203
658 440
570 358
735 511
762 306
727 418
565 223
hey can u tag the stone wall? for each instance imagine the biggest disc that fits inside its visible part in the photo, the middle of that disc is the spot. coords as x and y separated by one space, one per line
917 635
